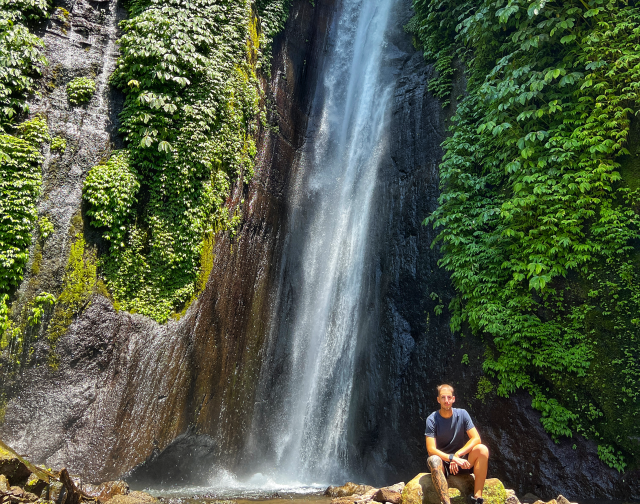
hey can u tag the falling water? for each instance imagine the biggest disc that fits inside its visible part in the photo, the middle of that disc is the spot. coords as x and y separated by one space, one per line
302 410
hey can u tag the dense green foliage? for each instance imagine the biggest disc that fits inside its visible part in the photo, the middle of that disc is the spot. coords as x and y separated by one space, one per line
80 90
188 71
20 55
539 213
20 159
20 179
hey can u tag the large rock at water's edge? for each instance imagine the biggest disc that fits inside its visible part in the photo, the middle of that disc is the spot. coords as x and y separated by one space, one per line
392 494
347 490
420 490
133 498
107 490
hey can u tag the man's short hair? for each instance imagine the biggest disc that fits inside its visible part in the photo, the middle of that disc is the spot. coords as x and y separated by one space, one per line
445 385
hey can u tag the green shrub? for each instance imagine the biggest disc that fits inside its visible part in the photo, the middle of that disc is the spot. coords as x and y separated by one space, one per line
80 90
111 190
45 227
39 305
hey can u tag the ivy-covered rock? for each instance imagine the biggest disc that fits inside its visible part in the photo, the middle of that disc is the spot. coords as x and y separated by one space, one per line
539 213
190 118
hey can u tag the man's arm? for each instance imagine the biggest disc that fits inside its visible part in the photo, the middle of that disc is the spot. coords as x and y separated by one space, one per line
474 440
432 450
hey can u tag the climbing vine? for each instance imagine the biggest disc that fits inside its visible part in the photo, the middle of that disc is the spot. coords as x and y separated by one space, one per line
20 179
539 213
20 55
20 160
188 72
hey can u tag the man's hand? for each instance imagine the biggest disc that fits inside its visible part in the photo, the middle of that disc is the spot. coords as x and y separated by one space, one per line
457 463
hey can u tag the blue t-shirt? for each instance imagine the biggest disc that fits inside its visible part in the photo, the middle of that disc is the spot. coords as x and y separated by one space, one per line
450 433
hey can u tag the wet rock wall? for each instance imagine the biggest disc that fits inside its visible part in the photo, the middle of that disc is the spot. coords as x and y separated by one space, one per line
126 387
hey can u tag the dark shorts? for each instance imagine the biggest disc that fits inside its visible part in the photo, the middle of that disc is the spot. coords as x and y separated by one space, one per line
447 473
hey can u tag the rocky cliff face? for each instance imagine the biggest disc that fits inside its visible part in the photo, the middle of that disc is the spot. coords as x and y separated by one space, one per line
127 387
181 395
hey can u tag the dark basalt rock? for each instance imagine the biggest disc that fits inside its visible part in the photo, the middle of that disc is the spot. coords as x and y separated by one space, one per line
129 391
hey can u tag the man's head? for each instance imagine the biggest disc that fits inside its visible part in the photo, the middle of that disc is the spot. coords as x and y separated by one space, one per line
446 397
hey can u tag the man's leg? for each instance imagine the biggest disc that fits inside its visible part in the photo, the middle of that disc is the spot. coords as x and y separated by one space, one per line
479 460
438 478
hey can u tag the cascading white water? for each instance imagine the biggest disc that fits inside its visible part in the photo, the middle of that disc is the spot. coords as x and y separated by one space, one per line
307 379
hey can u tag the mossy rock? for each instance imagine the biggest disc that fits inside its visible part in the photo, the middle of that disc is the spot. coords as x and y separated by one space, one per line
494 492
420 490
18 470
35 484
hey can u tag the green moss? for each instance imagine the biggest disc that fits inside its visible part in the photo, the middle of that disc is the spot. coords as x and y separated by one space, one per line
456 497
206 260
80 283
37 261
3 407
485 387
494 492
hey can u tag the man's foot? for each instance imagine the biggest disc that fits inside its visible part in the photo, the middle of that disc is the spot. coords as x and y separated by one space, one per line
476 500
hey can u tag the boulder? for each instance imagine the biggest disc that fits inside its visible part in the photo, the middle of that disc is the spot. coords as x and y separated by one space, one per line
105 491
55 490
512 498
420 490
562 500
4 483
357 498
16 469
391 494
494 491
385 495
347 490
134 498
35 484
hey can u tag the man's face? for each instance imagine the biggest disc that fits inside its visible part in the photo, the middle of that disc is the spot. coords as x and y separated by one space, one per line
446 398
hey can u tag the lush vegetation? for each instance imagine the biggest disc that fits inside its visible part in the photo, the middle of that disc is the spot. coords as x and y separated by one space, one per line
21 59
80 90
539 214
188 71
20 56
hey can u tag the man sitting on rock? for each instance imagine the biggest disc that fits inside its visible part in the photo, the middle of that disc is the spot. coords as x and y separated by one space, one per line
449 451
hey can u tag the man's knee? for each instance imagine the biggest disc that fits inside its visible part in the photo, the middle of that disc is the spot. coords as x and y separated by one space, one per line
434 462
482 450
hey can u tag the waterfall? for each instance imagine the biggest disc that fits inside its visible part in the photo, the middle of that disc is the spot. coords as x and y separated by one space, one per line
302 410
